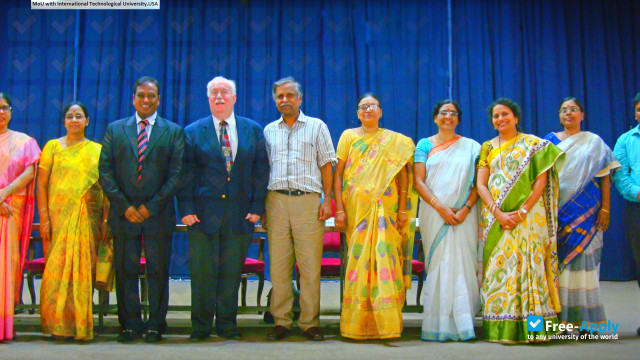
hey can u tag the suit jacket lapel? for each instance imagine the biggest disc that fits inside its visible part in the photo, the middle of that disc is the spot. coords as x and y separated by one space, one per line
157 133
243 142
131 129
211 137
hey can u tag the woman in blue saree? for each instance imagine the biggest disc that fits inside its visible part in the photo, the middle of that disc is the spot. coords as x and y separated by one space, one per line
444 168
585 189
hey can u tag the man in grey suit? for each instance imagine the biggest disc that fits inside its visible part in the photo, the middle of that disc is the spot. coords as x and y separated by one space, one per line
140 172
224 195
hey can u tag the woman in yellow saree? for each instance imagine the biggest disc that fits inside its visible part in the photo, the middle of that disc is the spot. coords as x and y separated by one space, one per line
73 215
19 155
375 203
518 185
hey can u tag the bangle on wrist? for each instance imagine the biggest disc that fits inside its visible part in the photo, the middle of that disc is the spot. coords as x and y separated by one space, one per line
339 211
520 216
467 206
433 201
493 207
524 211
605 210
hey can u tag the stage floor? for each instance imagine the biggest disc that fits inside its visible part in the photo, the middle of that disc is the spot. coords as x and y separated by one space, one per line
621 299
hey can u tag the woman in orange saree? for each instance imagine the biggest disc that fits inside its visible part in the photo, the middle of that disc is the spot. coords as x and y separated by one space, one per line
73 216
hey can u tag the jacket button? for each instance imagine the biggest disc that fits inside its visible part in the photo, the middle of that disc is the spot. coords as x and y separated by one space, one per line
224 196
228 179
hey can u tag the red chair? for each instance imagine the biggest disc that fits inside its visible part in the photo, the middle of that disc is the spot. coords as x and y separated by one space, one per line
330 267
254 267
417 268
35 267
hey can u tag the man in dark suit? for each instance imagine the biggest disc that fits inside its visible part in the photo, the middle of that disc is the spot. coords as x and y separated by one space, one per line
224 193
140 172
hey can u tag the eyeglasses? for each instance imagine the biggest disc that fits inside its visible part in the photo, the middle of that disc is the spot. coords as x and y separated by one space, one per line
446 113
5 108
571 109
77 117
223 93
366 107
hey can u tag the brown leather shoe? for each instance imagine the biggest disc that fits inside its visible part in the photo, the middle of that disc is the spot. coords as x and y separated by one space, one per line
279 332
314 334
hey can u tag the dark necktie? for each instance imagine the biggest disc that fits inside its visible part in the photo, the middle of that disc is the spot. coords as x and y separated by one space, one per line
143 140
225 145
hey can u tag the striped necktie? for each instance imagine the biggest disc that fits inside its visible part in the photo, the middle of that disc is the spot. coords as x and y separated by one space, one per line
143 140
225 145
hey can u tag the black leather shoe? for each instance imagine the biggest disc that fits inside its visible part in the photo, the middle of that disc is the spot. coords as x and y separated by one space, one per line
313 334
233 336
198 336
127 336
153 336
279 332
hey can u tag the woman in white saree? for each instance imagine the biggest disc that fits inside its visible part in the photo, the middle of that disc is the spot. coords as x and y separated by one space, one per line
444 178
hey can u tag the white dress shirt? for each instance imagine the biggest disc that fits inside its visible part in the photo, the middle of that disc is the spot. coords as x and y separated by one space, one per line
151 119
232 131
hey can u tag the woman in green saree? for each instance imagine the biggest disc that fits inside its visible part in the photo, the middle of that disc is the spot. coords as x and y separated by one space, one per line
518 185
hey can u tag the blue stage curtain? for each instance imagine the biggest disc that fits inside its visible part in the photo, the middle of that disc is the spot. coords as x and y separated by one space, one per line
411 54
539 52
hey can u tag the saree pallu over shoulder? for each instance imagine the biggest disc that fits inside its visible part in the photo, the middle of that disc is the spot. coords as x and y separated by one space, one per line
451 295
17 152
514 167
588 157
379 254
521 265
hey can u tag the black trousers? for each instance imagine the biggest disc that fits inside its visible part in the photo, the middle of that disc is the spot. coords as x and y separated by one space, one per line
632 232
127 245
215 264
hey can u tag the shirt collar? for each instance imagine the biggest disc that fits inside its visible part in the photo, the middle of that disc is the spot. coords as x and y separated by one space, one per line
151 119
301 117
636 130
231 120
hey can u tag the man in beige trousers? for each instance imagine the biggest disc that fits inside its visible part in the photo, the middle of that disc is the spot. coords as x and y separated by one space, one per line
301 155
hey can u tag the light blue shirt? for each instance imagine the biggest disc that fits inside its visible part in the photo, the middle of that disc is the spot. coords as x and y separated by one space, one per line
627 178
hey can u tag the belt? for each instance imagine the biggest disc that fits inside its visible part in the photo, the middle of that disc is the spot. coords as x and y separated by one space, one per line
292 192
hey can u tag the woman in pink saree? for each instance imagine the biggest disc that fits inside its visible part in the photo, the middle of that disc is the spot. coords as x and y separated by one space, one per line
19 154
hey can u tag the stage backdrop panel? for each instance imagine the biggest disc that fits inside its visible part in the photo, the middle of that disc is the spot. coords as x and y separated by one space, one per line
411 54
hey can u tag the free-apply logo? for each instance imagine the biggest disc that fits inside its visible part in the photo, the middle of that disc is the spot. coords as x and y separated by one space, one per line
535 323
